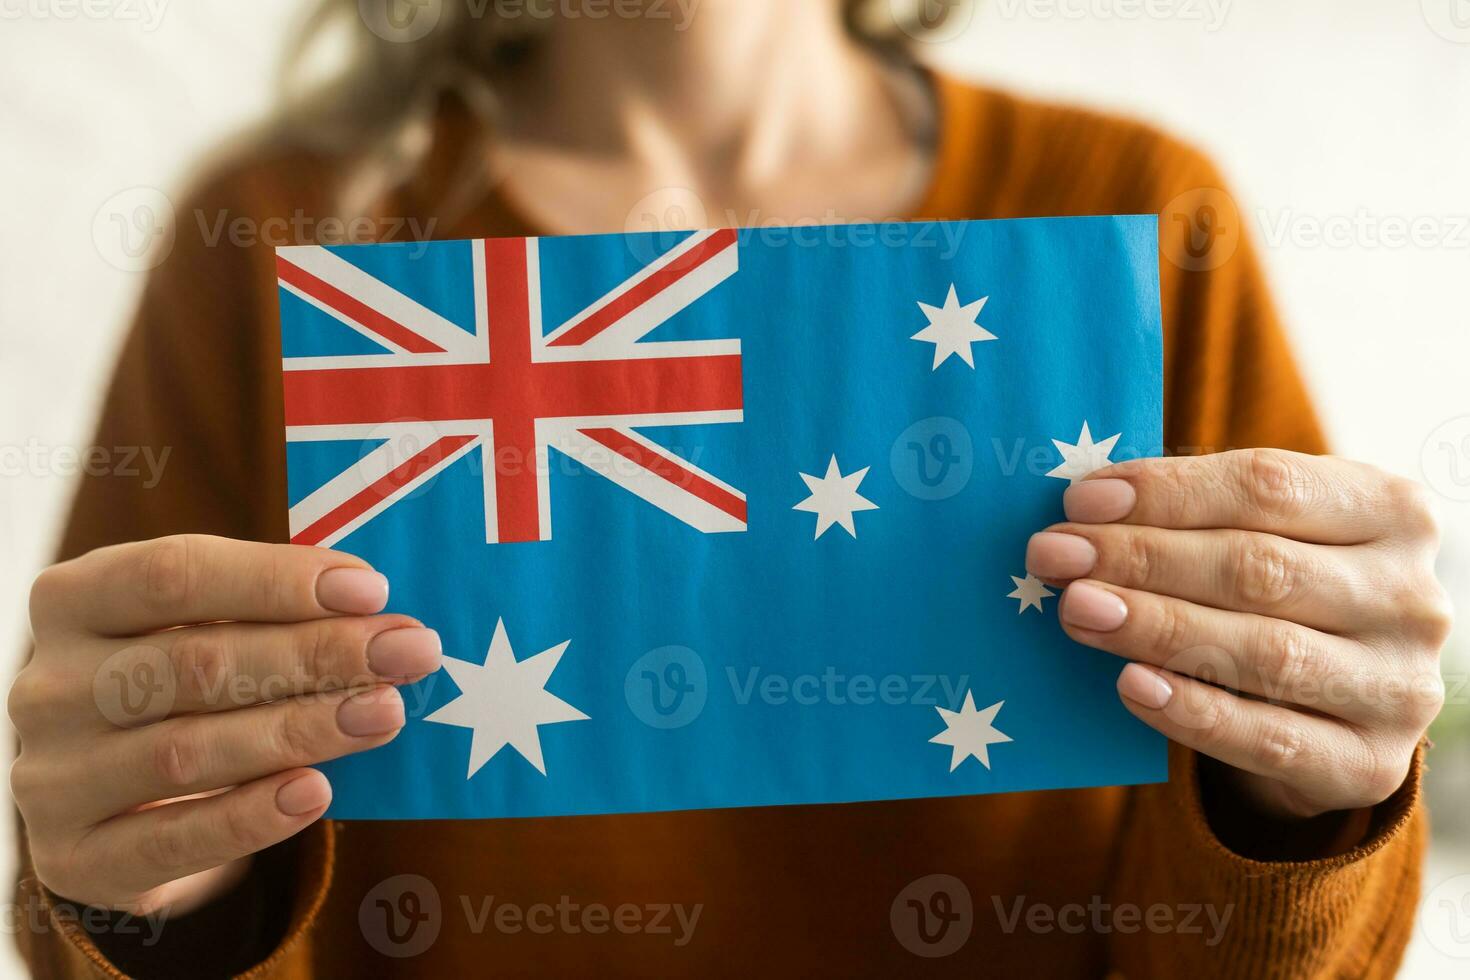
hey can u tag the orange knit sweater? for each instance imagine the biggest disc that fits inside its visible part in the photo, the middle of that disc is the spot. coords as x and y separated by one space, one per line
1172 880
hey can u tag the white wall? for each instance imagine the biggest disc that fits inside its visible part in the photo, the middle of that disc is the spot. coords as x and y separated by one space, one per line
1324 114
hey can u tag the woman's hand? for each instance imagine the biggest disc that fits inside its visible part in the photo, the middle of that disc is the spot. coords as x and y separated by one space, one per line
1301 587
177 688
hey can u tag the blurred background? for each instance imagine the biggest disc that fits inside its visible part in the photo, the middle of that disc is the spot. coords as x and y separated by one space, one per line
1343 127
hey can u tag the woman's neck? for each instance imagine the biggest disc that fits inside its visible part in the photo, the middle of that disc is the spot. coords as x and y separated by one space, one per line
747 103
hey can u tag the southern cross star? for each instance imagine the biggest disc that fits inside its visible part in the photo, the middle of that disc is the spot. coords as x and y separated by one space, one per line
953 328
1030 591
1084 457
835 498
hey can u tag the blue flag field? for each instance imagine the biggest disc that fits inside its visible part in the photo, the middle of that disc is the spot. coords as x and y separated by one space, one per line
725 518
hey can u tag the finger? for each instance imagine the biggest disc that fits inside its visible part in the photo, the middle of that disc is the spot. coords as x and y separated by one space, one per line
182 756
1319 758
1267 657
1320 499
136 852
135 588
222 666
1246 571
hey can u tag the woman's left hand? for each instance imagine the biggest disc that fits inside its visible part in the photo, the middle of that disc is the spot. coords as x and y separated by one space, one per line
1302 588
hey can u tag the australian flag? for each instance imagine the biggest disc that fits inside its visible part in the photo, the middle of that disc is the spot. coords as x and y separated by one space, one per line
725 518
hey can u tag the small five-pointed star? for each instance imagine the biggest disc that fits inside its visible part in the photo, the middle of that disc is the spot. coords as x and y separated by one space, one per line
835 498
953 328
1084 457
969 732
1030 591
504 701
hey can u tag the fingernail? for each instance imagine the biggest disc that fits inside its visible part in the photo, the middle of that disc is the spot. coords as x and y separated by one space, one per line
1088 607
374 713
1145 686
1051 554
1099 501
359 591
307 792
408 652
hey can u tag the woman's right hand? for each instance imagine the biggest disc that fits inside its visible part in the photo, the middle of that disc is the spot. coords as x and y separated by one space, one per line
177 690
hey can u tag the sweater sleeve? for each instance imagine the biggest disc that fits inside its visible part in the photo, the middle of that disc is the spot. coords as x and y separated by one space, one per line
1325 898
196 415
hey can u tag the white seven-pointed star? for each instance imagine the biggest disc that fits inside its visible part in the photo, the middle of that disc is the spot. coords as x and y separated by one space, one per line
1030 591
953 328
503 701
969 732
835 498
1084 457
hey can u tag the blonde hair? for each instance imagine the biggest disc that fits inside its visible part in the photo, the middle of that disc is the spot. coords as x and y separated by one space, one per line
377 108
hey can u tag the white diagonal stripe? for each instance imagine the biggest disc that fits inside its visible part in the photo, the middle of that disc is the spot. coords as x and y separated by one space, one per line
661 493
370 291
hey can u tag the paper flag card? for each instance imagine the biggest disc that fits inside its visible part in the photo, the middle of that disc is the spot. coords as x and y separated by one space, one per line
725 518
